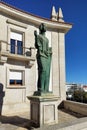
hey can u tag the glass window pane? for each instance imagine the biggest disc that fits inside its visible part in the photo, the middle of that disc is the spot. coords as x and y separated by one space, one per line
19 47
15 82
12 82
19 82
12 43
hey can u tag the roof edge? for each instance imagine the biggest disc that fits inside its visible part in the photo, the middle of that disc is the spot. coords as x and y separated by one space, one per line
68 26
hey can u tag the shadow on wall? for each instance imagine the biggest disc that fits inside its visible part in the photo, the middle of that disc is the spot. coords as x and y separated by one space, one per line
2 94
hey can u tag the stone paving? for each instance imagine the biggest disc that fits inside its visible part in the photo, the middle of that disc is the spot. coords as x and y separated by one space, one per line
21 121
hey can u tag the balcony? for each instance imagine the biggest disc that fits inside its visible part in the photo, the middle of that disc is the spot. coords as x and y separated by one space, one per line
21 54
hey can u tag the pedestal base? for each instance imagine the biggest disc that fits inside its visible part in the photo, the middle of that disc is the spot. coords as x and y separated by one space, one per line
43 110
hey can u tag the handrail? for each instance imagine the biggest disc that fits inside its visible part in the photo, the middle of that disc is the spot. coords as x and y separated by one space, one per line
24 48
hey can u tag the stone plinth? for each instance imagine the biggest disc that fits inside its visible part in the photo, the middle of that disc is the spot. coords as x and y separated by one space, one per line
43 110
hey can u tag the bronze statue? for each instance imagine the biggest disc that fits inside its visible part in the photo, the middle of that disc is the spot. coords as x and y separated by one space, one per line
44 54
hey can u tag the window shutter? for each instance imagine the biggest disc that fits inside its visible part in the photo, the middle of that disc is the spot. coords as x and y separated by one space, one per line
16 36
15 75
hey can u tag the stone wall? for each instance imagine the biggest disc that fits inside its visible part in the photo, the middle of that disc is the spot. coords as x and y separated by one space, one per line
77 107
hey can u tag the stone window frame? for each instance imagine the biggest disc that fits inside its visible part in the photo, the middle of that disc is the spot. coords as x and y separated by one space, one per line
14 48
15 68
16 29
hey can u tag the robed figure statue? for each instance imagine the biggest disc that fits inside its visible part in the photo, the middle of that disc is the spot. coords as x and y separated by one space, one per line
44 54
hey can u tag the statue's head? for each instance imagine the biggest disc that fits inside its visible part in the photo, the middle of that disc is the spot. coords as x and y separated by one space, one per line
42 28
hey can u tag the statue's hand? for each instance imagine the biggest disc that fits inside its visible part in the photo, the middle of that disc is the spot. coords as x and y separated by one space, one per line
50 50
46 53
35 33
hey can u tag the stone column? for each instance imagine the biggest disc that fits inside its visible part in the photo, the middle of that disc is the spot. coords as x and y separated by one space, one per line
55 64
61 41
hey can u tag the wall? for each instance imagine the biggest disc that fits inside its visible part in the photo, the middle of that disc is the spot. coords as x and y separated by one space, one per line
77 107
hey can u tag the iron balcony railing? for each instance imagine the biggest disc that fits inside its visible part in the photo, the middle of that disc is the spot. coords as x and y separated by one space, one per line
14 52
16 49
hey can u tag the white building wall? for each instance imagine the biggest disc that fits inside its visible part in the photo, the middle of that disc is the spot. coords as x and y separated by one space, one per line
55 64
61 41
3 28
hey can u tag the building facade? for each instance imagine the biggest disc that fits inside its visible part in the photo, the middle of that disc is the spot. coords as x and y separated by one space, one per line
18 65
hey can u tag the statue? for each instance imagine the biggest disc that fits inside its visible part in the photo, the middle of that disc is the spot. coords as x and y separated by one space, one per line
44 54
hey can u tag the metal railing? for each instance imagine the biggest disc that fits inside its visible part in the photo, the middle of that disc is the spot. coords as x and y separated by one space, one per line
15 49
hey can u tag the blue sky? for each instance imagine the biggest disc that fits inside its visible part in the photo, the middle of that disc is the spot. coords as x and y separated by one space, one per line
74 11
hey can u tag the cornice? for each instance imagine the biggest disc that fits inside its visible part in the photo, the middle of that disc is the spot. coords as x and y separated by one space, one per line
30 18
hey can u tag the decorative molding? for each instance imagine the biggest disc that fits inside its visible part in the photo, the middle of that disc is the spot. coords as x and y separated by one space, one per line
29 18
10 21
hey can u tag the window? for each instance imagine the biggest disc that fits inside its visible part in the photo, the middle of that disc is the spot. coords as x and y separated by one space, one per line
16 43
16 77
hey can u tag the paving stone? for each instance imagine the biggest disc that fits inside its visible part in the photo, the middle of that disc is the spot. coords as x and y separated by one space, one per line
22 122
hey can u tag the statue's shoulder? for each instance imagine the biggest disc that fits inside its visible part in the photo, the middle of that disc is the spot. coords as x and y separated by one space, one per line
41 37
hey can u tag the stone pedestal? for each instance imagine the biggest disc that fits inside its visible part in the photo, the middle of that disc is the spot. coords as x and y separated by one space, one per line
43 110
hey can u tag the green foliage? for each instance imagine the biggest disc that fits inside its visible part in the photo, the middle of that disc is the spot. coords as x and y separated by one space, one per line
85 97
80 96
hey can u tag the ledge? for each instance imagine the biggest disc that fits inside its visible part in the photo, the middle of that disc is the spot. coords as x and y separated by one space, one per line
29 18
43 98
16 87
10 21
17 57
4 56
76 107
